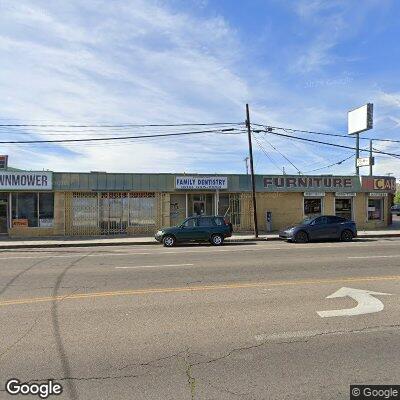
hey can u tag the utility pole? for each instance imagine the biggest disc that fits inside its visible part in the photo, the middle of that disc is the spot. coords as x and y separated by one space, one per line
253 183
370 158
246 160
357 152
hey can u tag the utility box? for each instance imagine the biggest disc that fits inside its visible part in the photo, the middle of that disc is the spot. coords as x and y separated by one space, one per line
268 221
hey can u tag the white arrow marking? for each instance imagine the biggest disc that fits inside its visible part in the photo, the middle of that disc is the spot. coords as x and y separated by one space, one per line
366 302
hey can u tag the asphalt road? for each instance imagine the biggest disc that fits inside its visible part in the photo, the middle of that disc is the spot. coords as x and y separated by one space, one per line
200 322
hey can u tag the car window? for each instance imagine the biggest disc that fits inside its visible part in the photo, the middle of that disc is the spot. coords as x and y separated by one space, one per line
219 221
335 220
190 223
206 221
321 221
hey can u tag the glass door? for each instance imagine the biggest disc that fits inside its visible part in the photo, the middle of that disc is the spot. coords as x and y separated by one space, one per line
3 218
199 207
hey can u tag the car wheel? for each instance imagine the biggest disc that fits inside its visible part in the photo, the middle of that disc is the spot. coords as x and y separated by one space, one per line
169 241
301 237
217 240
346 236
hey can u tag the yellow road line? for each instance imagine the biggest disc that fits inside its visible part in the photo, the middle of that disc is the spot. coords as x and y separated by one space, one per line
136 292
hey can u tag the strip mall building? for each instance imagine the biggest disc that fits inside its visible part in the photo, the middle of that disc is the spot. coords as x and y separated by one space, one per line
44 203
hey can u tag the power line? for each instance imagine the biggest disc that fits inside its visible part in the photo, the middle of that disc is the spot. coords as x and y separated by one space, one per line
326 143
115 125
326 134
98 130
331 165
286 158
265 152
117 138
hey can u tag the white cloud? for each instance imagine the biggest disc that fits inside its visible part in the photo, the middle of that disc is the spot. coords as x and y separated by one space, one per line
144 62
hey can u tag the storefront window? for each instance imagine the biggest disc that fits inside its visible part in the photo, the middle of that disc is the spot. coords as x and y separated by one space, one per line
343 208
142 210
32 209
312 207
375 209
84 210
46 209
25 209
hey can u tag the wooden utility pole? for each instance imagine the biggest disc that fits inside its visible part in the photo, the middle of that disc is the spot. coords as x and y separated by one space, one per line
370 158
253 183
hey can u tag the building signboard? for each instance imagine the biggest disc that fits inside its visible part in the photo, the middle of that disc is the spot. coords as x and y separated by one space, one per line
3 162
376 194
314 194
201 182
302 183
26 180
365 161
387 184
345 194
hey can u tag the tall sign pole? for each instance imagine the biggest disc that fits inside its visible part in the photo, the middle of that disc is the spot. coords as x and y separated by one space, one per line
360 120
253 183
357 153
371 159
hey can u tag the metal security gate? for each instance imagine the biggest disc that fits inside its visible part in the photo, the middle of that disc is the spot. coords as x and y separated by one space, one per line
113 213
229 206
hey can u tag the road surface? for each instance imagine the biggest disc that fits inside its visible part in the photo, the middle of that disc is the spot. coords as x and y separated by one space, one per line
199 322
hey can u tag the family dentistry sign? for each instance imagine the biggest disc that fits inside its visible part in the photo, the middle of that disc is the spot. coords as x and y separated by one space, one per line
25 180
203 182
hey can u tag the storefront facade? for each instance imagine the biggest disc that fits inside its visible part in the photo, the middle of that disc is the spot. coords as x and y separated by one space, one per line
34 204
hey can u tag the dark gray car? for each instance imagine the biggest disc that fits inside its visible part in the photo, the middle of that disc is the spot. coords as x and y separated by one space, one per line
320 228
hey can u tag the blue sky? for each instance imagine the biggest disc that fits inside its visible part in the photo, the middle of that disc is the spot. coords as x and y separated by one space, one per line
299 64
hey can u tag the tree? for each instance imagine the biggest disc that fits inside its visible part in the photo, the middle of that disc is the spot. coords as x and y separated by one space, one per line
397 198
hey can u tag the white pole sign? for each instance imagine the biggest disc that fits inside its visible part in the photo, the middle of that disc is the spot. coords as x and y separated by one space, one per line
360 119
367 303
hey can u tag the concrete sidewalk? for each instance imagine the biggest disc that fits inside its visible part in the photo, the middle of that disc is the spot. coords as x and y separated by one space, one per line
148 240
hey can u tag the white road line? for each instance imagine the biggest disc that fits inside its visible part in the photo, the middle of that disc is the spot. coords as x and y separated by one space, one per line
364 257
205 250
71 256
277 337
156 266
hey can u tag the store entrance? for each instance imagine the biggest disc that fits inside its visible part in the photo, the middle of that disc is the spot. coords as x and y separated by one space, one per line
201 204
3 218
199 207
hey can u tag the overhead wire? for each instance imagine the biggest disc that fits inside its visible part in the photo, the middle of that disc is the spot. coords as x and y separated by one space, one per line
103 139
325 133
328 144
266 153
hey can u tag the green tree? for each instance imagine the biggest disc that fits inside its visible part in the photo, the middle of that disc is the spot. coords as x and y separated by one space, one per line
397 198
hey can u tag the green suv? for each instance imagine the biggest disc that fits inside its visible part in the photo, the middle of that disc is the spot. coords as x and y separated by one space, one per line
196 229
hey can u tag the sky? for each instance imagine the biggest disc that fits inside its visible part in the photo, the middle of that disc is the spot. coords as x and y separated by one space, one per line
299 64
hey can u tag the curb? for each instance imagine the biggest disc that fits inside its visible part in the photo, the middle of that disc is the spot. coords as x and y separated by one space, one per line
109 244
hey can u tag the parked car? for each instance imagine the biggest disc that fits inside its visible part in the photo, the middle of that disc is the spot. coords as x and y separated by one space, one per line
395 209
196 229
324 227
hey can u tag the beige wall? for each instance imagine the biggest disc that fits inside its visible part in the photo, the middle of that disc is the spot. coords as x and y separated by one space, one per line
59 213
286 207
24 232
